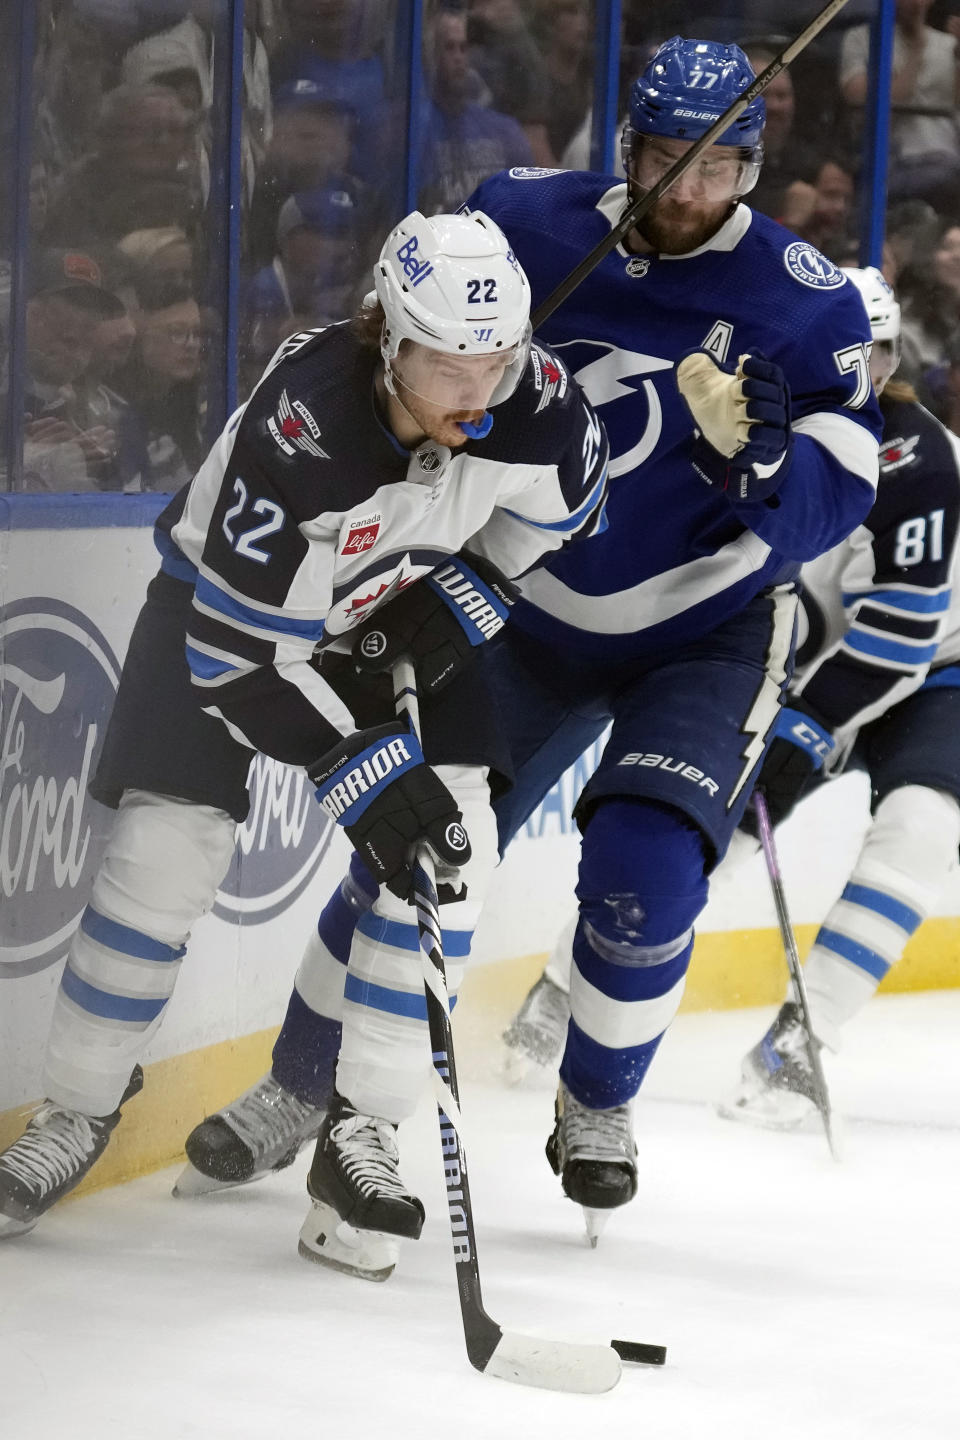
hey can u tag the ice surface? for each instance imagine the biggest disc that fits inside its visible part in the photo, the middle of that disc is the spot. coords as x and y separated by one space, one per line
798 1298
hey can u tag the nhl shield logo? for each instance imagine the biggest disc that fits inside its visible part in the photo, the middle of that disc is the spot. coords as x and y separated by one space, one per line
637 266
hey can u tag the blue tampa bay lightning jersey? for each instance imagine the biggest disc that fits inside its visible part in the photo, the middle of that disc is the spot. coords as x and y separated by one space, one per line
679 557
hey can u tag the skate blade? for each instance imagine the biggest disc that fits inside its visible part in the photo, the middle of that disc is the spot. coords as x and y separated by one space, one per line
327 1240
770 1112
595 1222
192 1182
10 1228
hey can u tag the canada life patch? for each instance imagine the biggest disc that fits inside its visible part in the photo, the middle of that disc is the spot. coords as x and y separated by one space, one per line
806 264
361 535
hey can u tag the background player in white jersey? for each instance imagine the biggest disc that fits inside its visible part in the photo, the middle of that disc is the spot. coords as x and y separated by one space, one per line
366 458
676 622
877 687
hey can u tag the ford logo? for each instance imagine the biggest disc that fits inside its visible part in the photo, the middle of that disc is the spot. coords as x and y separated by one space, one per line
280 845
57 683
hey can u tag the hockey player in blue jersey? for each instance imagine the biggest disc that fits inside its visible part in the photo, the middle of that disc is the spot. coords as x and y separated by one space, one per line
363 463
877 688
729 361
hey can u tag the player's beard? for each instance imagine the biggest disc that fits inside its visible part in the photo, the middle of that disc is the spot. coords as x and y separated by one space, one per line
440 426
675 229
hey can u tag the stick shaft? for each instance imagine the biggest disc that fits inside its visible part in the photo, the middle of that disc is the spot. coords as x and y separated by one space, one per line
481 1333
793 964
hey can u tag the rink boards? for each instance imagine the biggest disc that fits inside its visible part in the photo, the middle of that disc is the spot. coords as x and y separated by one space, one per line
72 577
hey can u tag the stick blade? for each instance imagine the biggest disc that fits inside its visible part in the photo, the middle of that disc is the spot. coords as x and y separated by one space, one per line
554 1364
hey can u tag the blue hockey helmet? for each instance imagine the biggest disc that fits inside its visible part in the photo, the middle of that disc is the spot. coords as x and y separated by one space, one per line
685 88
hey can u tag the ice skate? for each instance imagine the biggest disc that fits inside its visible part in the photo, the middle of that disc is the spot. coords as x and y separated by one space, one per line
263 1130
354 1180
594 1153
537 1033
776 1088
56 1151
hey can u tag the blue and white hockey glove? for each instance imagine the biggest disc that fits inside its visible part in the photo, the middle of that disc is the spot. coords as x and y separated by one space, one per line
744 441
800 746
377 785
439 622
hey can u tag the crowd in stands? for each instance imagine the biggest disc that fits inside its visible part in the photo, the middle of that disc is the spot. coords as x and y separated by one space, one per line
124 326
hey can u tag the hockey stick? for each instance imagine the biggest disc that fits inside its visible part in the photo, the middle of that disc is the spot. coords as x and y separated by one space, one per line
822 1095
525 1359
643 203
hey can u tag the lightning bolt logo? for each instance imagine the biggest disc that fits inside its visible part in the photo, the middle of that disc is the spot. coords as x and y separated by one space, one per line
766 702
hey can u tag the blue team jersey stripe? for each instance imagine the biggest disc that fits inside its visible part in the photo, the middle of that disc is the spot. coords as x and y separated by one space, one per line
205 667
393 1002
126 940
234 610
109 1007
913 600
880 648
572 521
946 679
859 955
883 904
456 943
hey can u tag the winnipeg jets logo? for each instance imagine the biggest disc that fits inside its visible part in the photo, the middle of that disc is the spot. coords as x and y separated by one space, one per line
548 377
897 453
294 428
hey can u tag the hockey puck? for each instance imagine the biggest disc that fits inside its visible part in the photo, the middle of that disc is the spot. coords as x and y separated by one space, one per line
634 1353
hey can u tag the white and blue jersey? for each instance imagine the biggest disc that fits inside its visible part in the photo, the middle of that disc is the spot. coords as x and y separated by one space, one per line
881 611
678 558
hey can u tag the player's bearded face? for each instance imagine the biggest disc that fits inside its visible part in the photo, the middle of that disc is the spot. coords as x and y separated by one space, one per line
696 205
440 390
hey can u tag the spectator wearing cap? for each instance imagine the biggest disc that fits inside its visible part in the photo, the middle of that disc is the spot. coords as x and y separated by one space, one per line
315 276
78 435
464 142
327 44
312 140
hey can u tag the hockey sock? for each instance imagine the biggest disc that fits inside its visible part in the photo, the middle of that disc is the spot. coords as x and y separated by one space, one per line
163 863
305 1052
385 1051
909 852
641 886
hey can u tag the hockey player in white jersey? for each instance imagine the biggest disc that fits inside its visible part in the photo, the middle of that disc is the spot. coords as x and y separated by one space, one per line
733 464
877 688
407 451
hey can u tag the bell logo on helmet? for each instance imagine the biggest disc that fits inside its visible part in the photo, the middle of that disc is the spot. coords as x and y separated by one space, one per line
414 266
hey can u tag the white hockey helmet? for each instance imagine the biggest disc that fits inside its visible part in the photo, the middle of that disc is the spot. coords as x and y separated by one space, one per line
452 284
883 312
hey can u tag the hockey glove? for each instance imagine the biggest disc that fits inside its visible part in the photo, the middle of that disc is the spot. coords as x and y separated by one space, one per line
800 746
744 440
438 622
377 785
